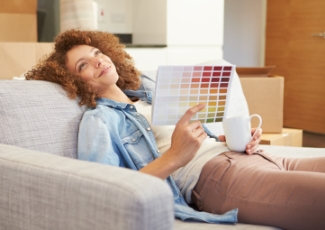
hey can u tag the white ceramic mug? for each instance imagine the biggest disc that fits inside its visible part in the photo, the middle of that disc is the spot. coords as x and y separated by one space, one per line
238 131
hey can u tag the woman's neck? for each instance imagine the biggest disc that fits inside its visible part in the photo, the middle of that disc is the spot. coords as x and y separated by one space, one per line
116 94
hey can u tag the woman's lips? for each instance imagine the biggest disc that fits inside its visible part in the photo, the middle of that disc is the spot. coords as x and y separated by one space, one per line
104 71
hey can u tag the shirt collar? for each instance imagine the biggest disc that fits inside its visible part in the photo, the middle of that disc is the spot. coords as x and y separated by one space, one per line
111 103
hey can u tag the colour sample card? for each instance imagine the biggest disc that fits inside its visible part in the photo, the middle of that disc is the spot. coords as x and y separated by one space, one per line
179 88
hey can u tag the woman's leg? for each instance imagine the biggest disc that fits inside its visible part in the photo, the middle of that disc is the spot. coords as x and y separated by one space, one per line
312 164
263 189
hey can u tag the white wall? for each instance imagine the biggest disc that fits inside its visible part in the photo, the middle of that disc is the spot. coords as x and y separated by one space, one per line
148 59
244 32
149 22
115 16
192 30
193 22
240 28
172 22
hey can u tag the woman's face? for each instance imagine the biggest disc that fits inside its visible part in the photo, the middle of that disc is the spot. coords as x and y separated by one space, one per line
92 66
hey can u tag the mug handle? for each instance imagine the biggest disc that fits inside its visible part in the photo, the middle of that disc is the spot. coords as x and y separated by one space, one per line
260 123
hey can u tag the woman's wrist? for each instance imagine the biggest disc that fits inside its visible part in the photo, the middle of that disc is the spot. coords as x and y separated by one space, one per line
162 167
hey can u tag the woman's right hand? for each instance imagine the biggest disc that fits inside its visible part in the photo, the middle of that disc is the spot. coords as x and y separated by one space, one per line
186 140
187 137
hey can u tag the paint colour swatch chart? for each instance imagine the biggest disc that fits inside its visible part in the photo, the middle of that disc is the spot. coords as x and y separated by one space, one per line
179 88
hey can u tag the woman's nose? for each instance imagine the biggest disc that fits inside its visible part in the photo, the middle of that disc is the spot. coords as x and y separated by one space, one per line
97 62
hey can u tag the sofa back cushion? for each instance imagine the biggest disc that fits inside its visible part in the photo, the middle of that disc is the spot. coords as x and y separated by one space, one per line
38 115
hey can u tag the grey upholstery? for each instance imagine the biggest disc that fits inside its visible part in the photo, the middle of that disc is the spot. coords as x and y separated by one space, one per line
44 191
38 115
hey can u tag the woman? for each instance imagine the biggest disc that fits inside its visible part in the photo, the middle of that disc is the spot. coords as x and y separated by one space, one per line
116 130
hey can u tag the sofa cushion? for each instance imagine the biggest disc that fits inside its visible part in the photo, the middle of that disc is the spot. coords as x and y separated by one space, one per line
38 115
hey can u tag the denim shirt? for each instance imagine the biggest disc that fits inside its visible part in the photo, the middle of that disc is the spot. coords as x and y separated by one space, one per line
114 133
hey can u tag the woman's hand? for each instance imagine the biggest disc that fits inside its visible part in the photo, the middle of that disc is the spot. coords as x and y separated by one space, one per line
187 137
252 146
186 141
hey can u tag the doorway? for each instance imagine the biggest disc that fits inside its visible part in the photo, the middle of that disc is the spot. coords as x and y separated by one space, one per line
294 45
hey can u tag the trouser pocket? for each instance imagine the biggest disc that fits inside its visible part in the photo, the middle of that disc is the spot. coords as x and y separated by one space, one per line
210 178
269 158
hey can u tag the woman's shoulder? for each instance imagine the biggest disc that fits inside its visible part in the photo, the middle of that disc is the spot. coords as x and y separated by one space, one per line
100 116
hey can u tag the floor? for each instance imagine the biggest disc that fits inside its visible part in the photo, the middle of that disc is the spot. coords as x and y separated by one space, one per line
313 140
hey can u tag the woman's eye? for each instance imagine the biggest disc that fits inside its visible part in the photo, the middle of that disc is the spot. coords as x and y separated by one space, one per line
97 52
81 66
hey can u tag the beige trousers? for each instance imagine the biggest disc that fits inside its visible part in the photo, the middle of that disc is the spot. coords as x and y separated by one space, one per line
288 193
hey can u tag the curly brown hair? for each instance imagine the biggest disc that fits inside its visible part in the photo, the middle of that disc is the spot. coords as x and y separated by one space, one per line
53 67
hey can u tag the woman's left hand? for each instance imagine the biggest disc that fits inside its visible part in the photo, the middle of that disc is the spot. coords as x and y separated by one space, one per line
252 146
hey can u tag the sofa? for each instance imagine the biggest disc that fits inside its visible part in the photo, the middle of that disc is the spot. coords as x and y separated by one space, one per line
44 186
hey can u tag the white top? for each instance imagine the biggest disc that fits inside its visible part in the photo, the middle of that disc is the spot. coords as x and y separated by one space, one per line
187 176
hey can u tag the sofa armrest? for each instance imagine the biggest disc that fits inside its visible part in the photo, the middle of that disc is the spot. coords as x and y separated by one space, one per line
44 191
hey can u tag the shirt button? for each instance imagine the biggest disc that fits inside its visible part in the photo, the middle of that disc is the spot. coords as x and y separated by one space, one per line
138 114
158 151
131 106
148 129
133 140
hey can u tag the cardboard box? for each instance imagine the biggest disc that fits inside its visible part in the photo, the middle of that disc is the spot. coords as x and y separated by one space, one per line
18 57
264 95
18 21
254 71
288 137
